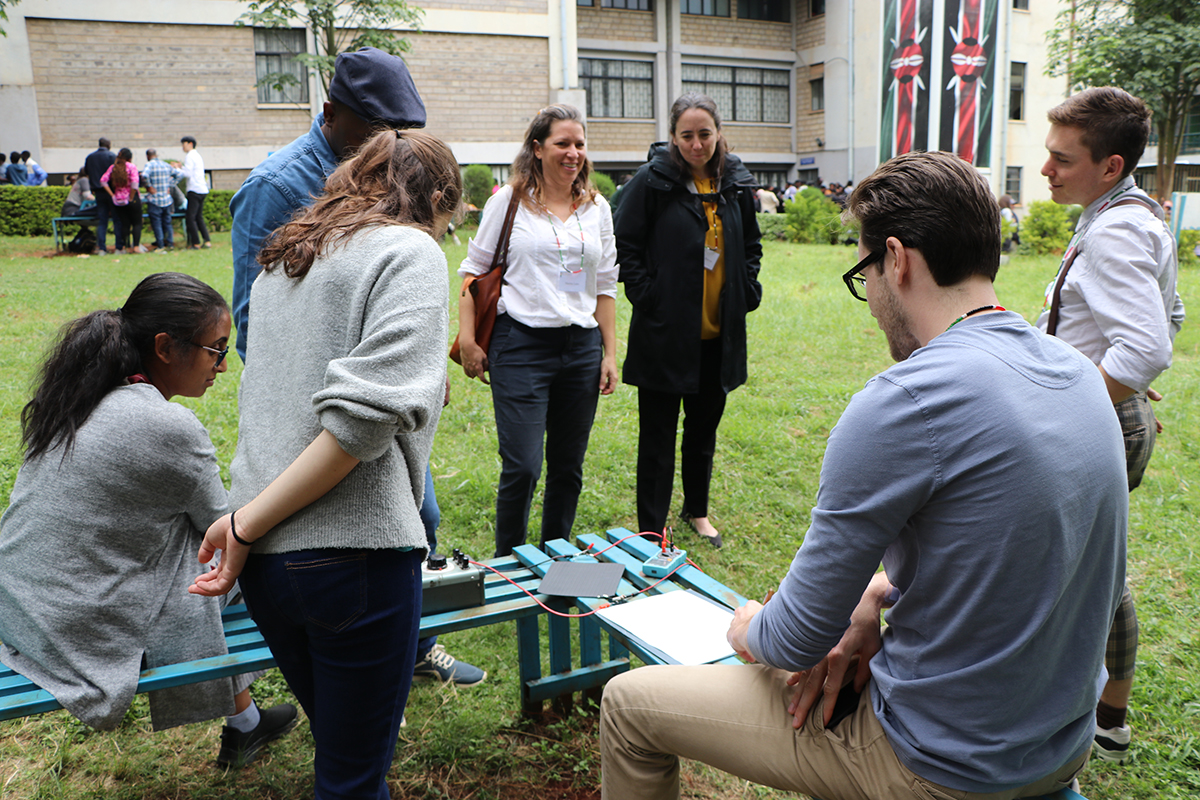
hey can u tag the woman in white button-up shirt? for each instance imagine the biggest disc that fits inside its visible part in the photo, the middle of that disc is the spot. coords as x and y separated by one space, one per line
553 351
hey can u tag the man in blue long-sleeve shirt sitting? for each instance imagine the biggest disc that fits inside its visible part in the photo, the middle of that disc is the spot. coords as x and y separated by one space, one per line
985 473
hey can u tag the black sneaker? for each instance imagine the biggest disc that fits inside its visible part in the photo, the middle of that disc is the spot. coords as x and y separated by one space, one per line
239 749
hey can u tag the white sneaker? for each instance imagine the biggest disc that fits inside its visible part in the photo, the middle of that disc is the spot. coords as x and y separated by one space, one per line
1112 744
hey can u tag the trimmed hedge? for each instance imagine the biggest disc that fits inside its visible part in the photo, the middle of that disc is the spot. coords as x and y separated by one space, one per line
28 210
773 227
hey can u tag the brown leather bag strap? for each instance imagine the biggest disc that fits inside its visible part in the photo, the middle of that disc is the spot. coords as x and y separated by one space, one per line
1056 300
500 256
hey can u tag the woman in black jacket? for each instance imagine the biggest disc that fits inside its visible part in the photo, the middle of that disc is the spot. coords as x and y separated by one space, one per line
688 246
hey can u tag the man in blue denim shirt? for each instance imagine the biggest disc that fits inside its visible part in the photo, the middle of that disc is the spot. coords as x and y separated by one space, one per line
370 89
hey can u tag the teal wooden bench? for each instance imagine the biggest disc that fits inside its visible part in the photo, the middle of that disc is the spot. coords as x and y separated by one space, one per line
83 219
247 652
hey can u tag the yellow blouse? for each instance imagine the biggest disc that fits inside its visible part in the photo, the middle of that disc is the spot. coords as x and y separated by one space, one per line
714 279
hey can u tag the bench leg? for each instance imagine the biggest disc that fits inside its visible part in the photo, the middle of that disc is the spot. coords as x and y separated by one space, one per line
529 660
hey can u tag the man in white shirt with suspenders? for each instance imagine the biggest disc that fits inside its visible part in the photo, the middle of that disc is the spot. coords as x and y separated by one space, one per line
1114 300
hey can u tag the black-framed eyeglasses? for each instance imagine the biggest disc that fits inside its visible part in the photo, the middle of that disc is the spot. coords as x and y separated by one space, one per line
220 353
854 279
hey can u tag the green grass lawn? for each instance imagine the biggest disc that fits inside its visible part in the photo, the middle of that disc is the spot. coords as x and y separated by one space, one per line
811 347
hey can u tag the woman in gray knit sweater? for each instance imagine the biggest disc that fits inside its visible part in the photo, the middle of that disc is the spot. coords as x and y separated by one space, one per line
97 546
338 411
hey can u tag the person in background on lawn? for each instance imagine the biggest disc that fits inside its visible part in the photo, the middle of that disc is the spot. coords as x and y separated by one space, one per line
688 245
985 474
36 175
15 171
197 193
95 165
120 182
338 412
1114 299
553 349
81 192
98 543
370 89
161 177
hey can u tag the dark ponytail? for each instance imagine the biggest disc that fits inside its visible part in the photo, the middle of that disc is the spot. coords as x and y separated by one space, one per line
96 353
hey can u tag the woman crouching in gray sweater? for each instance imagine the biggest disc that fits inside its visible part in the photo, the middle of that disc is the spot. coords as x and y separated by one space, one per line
98 544
338 408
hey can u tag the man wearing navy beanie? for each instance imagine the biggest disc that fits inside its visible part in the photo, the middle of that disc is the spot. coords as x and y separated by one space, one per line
370 90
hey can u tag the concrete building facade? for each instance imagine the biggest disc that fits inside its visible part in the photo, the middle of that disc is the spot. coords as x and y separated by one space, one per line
800 82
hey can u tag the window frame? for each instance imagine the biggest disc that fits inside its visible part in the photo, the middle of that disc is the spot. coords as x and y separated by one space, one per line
585 84
1012 177
627 5
730 109
1016 93
715 7
264 92
782 10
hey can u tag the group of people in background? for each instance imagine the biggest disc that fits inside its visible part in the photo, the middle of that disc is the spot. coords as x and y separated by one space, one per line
117 188
21 170
771 200
111 187
332 508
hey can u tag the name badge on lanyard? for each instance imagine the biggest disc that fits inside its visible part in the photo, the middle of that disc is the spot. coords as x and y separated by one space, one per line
572 281
710 258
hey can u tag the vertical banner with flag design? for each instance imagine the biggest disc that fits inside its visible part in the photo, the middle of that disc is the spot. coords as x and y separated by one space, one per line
968 79
904 120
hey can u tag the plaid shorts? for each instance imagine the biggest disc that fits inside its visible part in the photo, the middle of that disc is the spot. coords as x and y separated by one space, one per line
1139 428
1120 655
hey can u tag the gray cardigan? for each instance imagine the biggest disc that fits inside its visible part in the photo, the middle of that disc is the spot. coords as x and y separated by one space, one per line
356 347
96 553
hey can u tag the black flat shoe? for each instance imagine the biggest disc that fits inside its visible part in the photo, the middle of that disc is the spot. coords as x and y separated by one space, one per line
715 541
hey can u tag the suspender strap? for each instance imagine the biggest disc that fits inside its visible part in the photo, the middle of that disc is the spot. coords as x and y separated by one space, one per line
1052 320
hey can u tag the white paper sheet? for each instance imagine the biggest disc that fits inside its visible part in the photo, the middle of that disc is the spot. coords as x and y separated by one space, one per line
683 627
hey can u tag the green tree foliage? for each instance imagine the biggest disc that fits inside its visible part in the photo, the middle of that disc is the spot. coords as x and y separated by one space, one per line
1046 228
477 184
337 26
812 218
1150 48
3 15
604 184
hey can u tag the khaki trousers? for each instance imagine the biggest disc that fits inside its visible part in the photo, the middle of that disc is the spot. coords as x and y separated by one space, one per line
735 718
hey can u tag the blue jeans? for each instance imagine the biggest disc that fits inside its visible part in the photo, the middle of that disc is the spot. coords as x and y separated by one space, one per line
104 210
431 517
160 223
545 385
342 625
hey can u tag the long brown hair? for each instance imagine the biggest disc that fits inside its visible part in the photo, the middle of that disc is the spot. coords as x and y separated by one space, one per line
686 102
120 171
391 180
527 178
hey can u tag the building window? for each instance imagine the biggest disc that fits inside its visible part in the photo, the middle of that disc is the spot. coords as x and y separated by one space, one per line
281 78
585 3
766 10
623 89
816 8
1021 5
817 88
743 94
629 5
1012 183
1016 91
705 8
